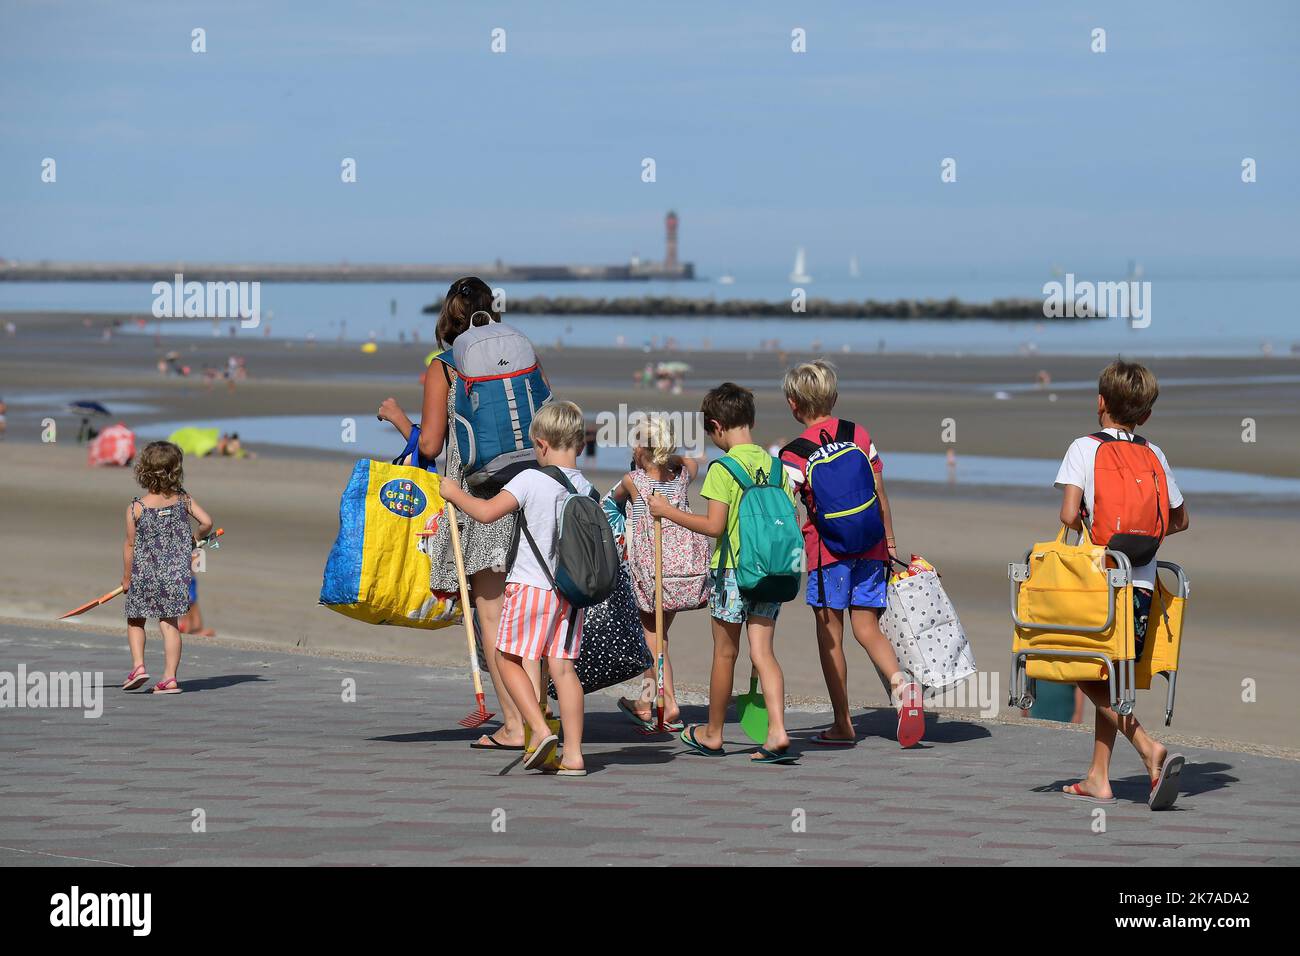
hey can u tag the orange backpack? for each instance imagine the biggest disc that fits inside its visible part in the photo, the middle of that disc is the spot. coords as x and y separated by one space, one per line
1130 498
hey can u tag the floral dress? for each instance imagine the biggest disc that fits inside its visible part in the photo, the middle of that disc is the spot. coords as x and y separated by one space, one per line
160 564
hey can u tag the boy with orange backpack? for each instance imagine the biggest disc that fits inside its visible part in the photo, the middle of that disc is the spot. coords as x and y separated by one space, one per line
1121 486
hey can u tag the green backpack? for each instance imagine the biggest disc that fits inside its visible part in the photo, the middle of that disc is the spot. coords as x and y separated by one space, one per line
770 562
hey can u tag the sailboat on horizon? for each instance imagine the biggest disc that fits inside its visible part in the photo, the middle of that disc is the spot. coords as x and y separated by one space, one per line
854 271
800 271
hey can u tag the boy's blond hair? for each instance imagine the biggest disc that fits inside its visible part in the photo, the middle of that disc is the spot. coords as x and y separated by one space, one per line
560 425
813 387
655 435
1130 391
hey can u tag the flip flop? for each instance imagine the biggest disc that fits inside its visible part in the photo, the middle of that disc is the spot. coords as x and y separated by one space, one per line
542 753
1164 788
563 771
630 713
911 716
137 678
1075 792
822 740
494 744
674 726
687 736
773 756
167 685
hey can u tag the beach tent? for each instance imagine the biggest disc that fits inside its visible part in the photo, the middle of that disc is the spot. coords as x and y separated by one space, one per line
115 445
193 441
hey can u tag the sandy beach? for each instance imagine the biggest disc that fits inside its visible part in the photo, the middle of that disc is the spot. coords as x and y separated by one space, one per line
61 522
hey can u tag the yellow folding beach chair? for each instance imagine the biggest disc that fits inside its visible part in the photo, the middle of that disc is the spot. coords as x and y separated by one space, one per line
1072 607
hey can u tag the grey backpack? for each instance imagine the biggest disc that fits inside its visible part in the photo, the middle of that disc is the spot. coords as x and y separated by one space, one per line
587 561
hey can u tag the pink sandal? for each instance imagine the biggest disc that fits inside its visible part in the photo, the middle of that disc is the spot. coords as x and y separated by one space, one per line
137 678
167 685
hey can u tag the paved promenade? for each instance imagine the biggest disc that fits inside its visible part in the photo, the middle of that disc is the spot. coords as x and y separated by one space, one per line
263 750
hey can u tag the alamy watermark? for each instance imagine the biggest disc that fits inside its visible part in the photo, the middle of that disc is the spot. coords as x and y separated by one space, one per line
63 689
627 429
1129 299
179 299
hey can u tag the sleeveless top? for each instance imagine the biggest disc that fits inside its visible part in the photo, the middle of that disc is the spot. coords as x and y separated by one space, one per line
160 564
645 485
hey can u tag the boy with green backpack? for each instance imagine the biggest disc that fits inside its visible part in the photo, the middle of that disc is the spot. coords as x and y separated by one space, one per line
757 563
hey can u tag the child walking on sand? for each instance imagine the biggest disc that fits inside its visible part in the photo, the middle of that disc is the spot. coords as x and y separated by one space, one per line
852 581
728 412
657 469
535 618
156 571
1126 393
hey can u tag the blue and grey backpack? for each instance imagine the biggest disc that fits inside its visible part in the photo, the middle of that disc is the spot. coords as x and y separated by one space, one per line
499 389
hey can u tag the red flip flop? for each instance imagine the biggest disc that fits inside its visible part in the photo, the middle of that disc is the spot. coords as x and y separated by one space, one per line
911 716
1076 792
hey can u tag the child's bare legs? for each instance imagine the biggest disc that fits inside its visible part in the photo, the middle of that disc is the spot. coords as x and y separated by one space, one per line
569 691
171 646
761 633
1153 753
835 670
519 685
722 678
135 640
644 705
488 590
866 628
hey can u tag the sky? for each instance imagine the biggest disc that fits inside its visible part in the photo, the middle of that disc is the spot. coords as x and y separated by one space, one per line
1063 156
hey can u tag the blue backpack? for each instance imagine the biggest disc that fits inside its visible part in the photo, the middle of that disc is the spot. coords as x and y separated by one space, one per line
843 504
499 389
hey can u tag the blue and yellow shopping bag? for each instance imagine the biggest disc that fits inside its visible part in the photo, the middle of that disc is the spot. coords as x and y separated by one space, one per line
377 571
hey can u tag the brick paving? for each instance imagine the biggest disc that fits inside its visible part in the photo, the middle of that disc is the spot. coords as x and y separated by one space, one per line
285 772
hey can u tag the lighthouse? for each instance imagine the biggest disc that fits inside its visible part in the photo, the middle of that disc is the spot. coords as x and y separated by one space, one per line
670 238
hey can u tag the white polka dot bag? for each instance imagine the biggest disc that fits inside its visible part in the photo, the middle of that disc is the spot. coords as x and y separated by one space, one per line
922 624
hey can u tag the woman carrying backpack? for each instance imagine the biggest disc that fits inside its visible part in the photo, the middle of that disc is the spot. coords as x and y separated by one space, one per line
657 469
484 546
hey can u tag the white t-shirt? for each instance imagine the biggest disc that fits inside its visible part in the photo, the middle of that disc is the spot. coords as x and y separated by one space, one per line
1078 469
539 496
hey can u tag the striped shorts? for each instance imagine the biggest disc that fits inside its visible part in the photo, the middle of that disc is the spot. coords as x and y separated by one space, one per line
535 623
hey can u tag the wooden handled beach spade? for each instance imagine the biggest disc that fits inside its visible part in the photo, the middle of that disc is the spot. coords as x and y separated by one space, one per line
659 623
209 541
481 714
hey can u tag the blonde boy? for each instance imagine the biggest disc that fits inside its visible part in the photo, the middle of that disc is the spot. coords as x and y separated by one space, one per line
840 582
535 619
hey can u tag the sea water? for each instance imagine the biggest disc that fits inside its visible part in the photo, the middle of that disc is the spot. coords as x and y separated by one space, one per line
1189 316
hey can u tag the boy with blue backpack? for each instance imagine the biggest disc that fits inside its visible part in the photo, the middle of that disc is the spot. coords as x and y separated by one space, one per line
757 563
567 562
849 542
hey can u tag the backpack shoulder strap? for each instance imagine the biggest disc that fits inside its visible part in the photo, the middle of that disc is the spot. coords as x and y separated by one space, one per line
561 477
736 471
1103 437
1139 440
845 430
803 447
776 473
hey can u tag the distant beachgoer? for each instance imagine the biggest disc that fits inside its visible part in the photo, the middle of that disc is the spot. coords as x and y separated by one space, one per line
156 558
484 546
1126 393
3 424
192 622
229 446
845 582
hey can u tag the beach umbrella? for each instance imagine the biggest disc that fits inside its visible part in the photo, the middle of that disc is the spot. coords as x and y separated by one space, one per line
195 441
89 408
115 445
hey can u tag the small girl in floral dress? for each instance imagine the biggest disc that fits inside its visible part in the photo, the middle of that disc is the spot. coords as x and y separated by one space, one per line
156 570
